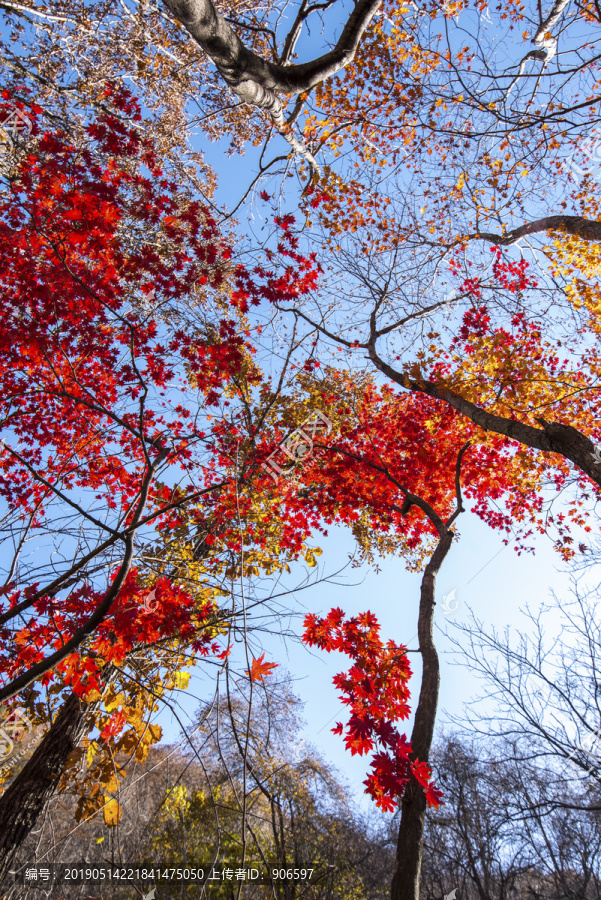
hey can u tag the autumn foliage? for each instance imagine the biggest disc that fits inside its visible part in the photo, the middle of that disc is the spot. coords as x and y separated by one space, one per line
88 298
134 411
93 400
376 691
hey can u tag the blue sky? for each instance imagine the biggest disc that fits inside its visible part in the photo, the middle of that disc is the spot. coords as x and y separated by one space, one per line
486 576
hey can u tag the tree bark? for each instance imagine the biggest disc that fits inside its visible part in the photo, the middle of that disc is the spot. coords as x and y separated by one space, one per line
587 229
258 81
25 800
405 882
254 79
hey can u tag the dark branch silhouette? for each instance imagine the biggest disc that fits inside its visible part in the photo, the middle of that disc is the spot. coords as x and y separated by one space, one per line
587 229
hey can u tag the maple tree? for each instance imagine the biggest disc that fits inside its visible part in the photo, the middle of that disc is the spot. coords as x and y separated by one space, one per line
116 321
86 407
392 470
497 366
400 102
91 428
516 367
469 261
74 50
392 90
430 173
396 469
81 47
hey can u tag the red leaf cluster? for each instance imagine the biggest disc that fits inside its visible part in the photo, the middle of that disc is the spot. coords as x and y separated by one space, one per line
376 691
129 625
297 279
93 387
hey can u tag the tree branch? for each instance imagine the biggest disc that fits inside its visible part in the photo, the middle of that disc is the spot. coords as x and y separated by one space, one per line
553 437
26 678
587 229
257 81
253 78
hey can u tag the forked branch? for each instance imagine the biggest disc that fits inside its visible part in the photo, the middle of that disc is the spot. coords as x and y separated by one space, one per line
258 81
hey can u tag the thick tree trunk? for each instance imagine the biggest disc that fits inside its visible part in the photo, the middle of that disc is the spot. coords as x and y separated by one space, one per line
257 80
405 882
25 800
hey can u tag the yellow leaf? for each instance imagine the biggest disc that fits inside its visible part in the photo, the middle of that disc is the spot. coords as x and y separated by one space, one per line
92 750
109 781
141 751
113 701
182 679
156 732
92 695
112 813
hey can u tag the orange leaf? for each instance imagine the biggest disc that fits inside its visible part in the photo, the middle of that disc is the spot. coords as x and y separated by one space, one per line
259 668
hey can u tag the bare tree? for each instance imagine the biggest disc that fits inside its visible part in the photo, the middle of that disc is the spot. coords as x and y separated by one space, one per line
493 840
547 694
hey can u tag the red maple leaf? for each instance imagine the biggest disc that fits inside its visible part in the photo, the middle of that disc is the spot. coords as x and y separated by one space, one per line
259 668
376 690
